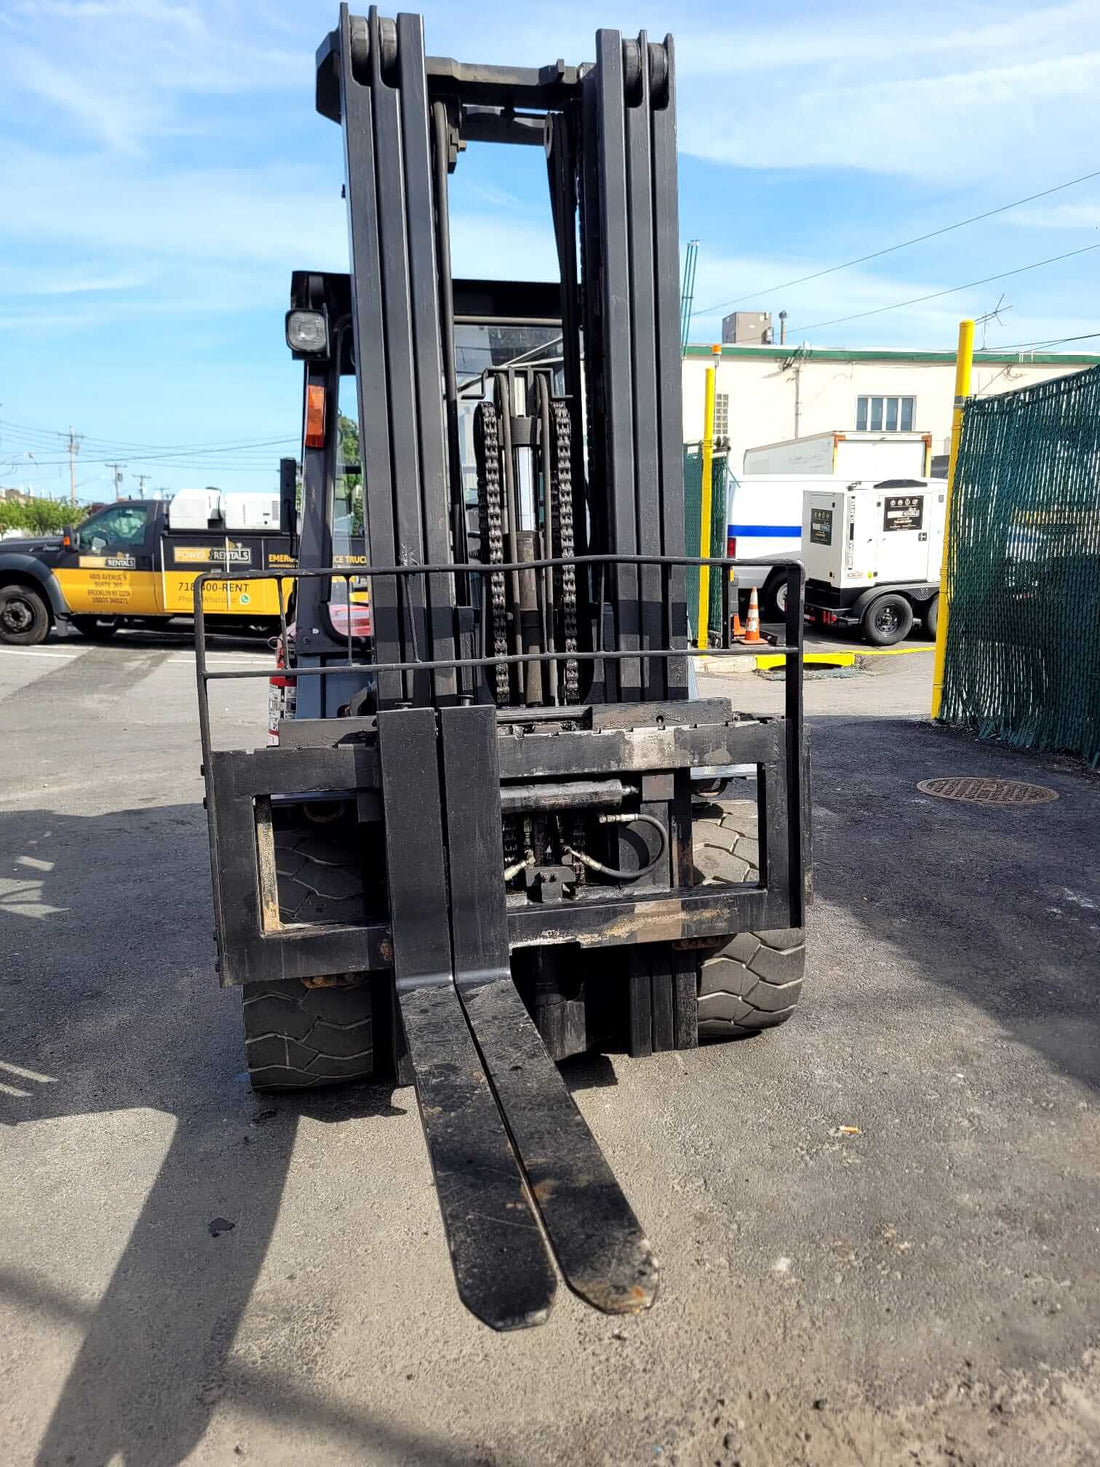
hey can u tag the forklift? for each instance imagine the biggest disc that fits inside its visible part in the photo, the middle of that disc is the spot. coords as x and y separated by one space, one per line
498 830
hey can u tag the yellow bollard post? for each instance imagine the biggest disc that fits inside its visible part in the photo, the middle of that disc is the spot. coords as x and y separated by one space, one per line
964 359
703 622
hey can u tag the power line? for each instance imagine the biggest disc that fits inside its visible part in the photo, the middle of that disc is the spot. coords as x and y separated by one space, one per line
891 249
28 469
952 290
1054 341
208 453
46 435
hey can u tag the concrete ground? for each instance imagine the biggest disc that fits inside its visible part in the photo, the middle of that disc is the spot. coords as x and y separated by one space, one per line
190 1273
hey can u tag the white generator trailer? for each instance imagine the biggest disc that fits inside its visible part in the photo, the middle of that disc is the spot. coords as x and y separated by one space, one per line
872 555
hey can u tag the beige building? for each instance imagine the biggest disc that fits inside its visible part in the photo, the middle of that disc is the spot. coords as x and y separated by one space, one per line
765 394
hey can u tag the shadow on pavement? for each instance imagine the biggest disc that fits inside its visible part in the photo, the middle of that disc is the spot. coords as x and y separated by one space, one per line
110 1003
175 638
1000 905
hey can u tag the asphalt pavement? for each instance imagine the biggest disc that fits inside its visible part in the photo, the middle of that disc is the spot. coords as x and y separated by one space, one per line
879 1226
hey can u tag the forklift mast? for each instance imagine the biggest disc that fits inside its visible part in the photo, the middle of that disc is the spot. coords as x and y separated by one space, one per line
513 748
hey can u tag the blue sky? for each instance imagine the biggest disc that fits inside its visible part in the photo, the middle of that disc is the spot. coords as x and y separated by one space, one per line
162 170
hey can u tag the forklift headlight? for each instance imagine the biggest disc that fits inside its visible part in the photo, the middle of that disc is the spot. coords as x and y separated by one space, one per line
307 332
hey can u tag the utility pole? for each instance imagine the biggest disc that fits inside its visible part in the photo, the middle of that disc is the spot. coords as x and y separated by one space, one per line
118 468
141 478
74 449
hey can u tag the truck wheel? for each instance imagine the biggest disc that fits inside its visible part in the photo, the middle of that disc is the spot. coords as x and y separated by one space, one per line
24 617
773 599
931 618
753 981
95 628
887 620
297 1037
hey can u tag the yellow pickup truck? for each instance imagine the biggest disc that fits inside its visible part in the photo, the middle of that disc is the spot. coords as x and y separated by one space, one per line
135 563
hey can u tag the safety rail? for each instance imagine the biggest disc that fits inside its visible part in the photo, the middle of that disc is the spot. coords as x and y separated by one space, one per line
360 659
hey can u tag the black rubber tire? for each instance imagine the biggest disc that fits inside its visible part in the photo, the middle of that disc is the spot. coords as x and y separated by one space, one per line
297 1037
931 618
754 980
96 629
888 619
773 599
24 616
320 874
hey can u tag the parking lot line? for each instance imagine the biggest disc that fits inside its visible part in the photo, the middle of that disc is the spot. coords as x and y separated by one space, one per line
35 652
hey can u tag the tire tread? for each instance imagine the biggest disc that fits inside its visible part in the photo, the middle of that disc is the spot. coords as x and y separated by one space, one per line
754 981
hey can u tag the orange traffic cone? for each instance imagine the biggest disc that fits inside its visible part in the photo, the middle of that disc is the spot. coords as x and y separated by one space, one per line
738 631
752 622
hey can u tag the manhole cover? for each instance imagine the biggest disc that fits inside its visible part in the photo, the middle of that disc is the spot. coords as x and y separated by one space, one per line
987 791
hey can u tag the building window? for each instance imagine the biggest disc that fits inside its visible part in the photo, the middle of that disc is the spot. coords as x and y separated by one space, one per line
721 415
885 414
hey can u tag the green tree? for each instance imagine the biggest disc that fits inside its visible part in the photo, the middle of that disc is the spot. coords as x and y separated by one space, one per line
349 470
39 516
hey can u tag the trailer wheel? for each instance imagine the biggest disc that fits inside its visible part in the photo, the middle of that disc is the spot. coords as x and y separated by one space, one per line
754 980
887 620
297 1037
773 598
931 617
24 617
96 628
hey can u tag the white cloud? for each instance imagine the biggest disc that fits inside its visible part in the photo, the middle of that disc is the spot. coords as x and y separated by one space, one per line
203 240
1059 216
278 214
982 125
852 292
837 40
121 72
956 98
154 209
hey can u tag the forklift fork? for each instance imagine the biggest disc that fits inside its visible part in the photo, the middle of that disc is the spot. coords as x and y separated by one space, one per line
508 1146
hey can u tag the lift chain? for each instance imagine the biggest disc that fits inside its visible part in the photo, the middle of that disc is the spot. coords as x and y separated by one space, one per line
565 580
490 500
510 840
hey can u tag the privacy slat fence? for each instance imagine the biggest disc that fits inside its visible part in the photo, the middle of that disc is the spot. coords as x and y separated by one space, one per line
693 495
1023 641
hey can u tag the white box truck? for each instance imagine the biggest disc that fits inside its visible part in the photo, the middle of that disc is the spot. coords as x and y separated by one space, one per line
851 455
763 525
872 556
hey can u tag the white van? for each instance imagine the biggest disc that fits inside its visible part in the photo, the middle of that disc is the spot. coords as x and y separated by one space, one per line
764 524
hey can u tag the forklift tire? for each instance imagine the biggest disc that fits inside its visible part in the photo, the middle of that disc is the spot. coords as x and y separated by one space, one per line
754 980
887 620
297 1037
24 616
95 628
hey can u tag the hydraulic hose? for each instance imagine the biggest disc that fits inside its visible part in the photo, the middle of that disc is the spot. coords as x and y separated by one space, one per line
624 818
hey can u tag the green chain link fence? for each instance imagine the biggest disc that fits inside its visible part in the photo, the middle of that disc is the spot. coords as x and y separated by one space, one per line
693 516
1023 639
